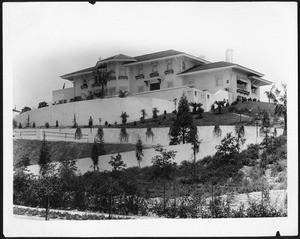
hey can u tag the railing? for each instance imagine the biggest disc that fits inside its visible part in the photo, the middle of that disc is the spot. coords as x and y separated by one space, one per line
242 91
154 74
65 135
85 86
169 72
25 133
141 76
123 77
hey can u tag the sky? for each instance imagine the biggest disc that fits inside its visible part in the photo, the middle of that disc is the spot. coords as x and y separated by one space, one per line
43 41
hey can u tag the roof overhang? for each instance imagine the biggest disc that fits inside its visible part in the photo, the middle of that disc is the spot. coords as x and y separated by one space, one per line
166 57
113 60
156 79
259 81
203 71
248 70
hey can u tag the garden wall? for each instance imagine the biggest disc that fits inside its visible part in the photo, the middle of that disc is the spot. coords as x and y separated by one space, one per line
107 109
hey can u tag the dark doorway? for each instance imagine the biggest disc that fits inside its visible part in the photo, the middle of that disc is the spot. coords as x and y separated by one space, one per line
155 86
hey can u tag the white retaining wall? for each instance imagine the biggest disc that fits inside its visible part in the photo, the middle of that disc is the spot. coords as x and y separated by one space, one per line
107 109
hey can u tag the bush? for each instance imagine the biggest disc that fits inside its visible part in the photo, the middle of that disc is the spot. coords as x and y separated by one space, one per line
109 125
154 112
20 126
174 112
33 125
159 123
227 104
212 108
106 123
77 98
56 124
254 99
234 102
164 117
231 108
134 123
165 112
15 124
250 99
78 133
47 125
90 97
43 104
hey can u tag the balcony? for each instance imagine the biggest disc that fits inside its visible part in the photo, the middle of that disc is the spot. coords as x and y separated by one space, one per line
111 78
154 74
96 84
85 86
141 76
123 77
241 91
169 72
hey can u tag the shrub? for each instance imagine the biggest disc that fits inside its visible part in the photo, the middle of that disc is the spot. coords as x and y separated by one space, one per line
164 117
20 126
234 102
124 117
159 123
43 104
134 123
254 99
250 99
231 108
33 125
56 124
212 108
123 135
149 133
78 133
174 112
109 125
106 123
115 123
15 124
47 125
154 112
90 97
165 112
77 98
227 104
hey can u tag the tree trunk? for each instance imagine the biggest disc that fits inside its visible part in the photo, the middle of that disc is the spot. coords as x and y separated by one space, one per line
183 136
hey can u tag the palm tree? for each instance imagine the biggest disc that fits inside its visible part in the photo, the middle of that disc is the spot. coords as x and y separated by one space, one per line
144 114
270 94
123 93
195 105
220 104
281 109
103 77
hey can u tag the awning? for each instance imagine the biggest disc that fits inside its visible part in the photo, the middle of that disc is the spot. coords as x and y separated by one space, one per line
152 80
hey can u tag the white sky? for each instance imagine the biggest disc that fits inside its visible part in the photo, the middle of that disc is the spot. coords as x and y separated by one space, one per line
47 40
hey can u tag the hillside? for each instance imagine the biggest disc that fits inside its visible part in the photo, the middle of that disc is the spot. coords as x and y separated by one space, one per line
61 150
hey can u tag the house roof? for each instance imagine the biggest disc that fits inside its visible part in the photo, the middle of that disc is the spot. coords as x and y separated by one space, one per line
86 70
153 56
216 65
119 57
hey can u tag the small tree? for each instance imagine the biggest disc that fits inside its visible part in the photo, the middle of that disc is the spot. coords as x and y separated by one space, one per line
139 151
100 135
25 109
28 121
124 117
78 133
20 126
45 157
200 110
281 108
15 124
95 156
117 163
56 124
270 94
144 114
182 124
240 134
74 121
47 125
195 105
154 112
43 104
33 125
90 122
228 147
164 166
220 105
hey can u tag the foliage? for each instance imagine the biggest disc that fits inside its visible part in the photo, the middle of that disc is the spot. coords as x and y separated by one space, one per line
182 124
281 109
25 109
90 122
270 94
20 125
45 157
47 125
102 77
123 94
123 135
33 125
56 123
195 105
149 133
217 132
74 122
78 133
117 163
144 114
220 105
124 117
43 104
139 151
154 112
28 121
200 110
95 156
240 134
228 147
15 124
100 135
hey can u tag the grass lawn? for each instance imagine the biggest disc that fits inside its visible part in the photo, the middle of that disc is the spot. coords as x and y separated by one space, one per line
61 150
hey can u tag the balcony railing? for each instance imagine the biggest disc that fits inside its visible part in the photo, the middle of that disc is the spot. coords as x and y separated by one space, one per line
141 76
169 72
154 74
112 78
123 77
241 91
96 84
85 86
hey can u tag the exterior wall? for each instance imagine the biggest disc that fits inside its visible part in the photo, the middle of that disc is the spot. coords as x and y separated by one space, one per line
106 109
63 94
184 152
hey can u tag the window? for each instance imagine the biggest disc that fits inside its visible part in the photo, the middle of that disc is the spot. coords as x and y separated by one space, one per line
170 84
155 86
169 65
227 81
140 71
253 90
241 85
140 88
195 93
122 72
207 96
154 68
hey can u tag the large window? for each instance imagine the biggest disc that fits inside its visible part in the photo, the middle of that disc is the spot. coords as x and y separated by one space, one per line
253 90
241 85
155 86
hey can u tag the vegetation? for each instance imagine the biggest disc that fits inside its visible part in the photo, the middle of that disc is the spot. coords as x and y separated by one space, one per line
124 117
33 125
220 105
149 133
78 133
56 124
144 114
281 108
47 125
123 135
25 109
15 124
20 126
217 132
155 111
43 104
139 151
123 94
183 123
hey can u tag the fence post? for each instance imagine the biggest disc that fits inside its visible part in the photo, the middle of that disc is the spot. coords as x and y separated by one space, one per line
39 134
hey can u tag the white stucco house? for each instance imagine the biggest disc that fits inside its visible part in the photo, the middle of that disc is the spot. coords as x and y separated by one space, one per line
165 75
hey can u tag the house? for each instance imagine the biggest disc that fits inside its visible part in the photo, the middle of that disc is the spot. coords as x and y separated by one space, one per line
164 75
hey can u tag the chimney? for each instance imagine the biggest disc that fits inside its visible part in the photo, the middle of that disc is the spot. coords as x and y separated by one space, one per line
229 55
